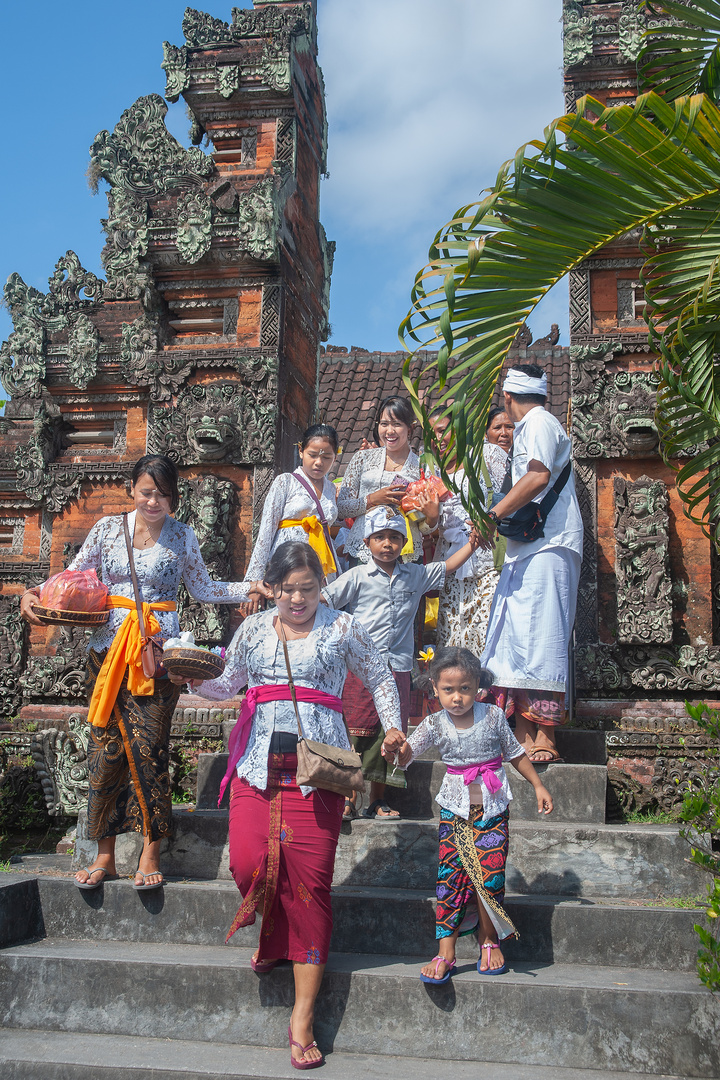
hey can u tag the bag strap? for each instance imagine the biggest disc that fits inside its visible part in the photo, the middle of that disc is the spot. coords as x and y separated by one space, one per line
291 683
133 575
321 513
553 494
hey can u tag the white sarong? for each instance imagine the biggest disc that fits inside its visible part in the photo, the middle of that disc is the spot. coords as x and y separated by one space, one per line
531 621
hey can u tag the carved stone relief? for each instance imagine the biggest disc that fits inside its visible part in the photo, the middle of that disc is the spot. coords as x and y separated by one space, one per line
17 525
225 421
606 669
612 413
82 354
270 316
642 562
285 141
73 291
580 318
61 676
208 505
194 226
577 34
61 764
586 618
13 649
257 221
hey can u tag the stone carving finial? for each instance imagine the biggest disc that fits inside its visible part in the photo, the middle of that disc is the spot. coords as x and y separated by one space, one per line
642 543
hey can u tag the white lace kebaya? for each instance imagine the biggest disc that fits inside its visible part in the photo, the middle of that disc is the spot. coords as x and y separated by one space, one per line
490 737
336 644
287 498
175 557
365 474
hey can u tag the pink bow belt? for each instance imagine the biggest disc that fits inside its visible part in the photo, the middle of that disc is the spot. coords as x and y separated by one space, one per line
486 770
254 696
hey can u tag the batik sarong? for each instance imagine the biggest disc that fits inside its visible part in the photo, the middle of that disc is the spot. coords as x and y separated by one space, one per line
282 857
366 732
129 779
472 863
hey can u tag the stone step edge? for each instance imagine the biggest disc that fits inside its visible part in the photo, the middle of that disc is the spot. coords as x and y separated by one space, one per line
75 1053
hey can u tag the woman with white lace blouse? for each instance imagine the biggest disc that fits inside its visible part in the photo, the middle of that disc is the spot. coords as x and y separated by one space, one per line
283 837
300 505
379 476
129 782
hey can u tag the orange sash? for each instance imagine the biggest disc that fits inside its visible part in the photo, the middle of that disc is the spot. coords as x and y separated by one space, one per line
125 653
316 539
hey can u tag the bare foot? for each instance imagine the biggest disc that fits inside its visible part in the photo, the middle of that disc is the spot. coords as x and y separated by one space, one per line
496 958
437 968
303 1034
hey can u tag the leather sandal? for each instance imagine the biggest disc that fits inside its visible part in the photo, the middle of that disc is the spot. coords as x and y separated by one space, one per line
350 811
380 804
554 758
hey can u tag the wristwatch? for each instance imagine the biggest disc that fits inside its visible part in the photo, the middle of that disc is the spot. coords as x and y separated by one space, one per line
493 516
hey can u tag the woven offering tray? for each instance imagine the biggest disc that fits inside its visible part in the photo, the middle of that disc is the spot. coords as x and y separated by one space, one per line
51 616
191 663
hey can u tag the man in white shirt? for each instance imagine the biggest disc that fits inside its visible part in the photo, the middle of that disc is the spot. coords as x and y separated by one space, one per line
533 611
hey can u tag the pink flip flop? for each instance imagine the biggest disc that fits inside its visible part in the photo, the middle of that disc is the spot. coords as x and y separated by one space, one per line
488 970
303 1064
438 982
261 967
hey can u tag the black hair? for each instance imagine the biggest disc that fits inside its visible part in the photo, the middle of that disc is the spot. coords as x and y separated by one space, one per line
399 408
454 657
320 431
163 472
533 371
495 411
294 555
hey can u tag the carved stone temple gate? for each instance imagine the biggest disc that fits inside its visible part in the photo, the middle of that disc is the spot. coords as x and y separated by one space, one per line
647 629
201 342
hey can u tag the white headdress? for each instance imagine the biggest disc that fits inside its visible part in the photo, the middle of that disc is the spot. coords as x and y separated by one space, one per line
384 517
518 382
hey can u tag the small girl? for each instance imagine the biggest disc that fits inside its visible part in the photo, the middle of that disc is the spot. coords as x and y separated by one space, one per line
473 739
290 511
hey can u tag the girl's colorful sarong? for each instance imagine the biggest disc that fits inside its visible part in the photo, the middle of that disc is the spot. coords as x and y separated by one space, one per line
366 732
282 856
472 861
129 780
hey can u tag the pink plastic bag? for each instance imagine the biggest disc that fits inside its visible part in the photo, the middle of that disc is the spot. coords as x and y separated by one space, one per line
74 590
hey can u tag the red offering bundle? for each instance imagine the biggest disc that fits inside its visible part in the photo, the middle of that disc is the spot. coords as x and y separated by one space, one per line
426 485
74 590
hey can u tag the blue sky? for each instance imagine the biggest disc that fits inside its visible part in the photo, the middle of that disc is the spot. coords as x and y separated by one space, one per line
426 99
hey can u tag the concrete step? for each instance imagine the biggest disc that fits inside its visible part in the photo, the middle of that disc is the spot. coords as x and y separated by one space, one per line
59 1055
578 791
553 1015
397 921
642 861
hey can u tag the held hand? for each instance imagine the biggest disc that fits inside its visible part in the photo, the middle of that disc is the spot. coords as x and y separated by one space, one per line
544 800
365 445
393 742
404 754
177 680
27 603
259 588
387 496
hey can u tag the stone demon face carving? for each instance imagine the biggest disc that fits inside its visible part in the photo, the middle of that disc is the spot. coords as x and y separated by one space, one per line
213 430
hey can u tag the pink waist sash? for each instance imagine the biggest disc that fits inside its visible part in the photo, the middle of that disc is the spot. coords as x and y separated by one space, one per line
255 696
487 770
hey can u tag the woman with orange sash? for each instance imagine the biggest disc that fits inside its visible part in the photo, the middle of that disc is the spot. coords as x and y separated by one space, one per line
283 837
130 715
300 505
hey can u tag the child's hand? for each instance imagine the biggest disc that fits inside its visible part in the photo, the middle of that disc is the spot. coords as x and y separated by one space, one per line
393 742
430 508
544 800
404 755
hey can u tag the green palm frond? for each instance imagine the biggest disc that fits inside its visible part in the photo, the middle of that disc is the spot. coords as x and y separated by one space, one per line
682 51
630 166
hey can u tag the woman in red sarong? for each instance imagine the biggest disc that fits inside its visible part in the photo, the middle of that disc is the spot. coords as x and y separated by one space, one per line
283 837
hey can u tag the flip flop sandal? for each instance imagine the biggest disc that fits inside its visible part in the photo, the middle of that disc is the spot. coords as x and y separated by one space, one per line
438 982
488 970
262 966
89 885
554 760
379 804
155 885
303 1064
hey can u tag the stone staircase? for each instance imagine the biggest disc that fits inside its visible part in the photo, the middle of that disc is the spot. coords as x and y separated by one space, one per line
601 982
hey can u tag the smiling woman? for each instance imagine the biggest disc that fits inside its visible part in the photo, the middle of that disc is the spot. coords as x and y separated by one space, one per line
130 714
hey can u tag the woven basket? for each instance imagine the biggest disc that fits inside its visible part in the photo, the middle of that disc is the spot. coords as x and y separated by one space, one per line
191 663
70 618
